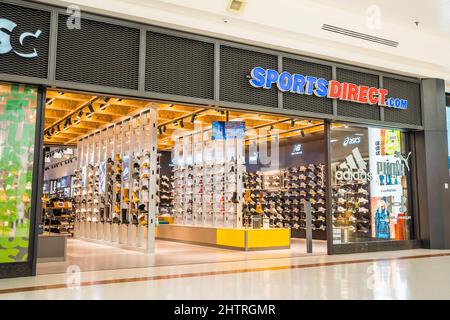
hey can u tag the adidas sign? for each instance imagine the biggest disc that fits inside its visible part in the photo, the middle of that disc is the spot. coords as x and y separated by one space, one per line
353 168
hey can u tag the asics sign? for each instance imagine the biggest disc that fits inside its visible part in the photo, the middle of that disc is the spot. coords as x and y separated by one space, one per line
354 168
320 87
351 140
6 29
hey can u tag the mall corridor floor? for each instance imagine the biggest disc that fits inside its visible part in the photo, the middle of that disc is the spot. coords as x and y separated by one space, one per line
410 274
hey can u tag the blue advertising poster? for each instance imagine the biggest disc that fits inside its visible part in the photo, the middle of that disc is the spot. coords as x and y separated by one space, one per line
218 130
224 130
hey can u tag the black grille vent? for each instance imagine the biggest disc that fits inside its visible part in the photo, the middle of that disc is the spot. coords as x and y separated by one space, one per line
179 66
27 20
235 67
359 35
353 109
299 102
403 90
99 53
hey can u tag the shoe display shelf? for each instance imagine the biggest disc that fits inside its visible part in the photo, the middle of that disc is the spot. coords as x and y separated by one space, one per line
208 181
278 197
351 211
164 197
116 183
58 216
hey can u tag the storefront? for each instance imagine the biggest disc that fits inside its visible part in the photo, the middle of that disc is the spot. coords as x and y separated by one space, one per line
154 116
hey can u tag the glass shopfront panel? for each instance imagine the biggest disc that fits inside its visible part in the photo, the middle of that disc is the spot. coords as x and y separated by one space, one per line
370 186
17 135
448 136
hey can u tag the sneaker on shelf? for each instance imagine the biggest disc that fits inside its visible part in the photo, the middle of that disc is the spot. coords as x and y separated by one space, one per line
363 200
363 210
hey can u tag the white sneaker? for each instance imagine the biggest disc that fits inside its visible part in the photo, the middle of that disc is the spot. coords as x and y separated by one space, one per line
363 200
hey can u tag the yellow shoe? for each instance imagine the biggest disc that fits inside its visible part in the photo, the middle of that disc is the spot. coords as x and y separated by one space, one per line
135 198
126 195
247 196
116 209
259 209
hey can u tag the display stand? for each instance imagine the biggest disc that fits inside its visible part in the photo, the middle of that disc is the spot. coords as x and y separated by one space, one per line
117 175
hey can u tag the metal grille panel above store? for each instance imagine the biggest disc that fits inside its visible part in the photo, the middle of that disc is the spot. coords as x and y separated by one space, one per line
179 66
298 102
235 66
11 62
98 53
353 109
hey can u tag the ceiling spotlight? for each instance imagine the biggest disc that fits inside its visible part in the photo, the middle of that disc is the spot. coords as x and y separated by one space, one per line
49 135
160 130
67 123
58 129
292 123
80 114
103 106
271 128
106 99
181 124
302 133
193 118
91 111
52 131
164 128
119 100
60 93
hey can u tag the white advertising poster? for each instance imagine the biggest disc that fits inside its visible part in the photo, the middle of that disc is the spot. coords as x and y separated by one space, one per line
386 193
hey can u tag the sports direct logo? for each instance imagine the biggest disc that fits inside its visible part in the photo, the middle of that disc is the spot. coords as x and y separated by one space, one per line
320 87
353 168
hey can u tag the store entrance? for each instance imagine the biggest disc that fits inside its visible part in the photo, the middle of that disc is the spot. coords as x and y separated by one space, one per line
131 183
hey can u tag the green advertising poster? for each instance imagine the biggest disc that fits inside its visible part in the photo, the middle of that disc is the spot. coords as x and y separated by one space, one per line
17 133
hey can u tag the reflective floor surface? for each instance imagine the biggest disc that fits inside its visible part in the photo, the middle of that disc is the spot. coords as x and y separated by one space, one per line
89 256
408 274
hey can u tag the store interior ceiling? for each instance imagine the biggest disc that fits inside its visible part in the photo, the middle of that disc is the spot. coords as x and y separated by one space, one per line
70 116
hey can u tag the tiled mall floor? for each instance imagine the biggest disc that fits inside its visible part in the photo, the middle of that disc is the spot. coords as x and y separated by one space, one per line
90 256
408 274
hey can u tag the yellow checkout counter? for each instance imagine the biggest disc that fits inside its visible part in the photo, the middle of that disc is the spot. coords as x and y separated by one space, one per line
239 238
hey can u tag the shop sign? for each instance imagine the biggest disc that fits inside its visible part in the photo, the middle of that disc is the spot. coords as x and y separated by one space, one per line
354 168
351 141
5 39
297 150
320 87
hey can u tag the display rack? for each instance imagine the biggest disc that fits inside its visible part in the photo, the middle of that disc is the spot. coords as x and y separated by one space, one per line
208 180
278 195
115 183
351 210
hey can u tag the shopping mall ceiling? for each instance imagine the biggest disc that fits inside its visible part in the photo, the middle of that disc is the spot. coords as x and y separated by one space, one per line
70 116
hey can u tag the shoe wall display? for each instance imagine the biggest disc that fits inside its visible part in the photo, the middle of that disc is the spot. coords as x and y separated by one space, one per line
351 209
207 189
279 197
113 188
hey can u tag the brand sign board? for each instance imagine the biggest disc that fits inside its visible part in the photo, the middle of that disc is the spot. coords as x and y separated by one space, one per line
6 32
320 87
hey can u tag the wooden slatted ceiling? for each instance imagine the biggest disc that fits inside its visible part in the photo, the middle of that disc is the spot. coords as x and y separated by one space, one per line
60 105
